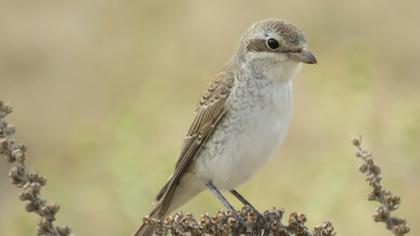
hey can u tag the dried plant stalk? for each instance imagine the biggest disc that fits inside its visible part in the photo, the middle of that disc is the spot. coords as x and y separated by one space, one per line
29 181
245 221
388 201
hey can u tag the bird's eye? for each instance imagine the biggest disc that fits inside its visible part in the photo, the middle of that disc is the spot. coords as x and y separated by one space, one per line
273 44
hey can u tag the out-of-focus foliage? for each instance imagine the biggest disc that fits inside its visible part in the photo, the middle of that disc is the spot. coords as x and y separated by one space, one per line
103 92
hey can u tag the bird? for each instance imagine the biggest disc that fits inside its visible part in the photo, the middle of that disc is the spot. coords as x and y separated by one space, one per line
241 119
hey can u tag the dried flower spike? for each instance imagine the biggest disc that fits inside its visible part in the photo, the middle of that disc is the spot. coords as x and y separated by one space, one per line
388 201
29 181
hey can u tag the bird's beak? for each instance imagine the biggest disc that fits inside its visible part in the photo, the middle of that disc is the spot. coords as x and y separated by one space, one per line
304 56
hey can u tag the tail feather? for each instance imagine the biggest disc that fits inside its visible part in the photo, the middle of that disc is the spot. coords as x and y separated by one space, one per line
162 203
172 196
147 229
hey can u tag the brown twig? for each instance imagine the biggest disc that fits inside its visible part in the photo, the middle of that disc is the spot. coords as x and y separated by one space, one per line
244 222
388 201
28 180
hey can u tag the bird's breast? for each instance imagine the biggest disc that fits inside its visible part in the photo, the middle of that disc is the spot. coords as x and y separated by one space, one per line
256 123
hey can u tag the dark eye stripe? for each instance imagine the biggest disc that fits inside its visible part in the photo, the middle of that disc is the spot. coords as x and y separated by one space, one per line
260 45
257 45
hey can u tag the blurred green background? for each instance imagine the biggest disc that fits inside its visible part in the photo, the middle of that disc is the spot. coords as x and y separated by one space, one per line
103 92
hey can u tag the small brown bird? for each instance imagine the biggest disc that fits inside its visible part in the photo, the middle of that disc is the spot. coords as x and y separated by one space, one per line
241 119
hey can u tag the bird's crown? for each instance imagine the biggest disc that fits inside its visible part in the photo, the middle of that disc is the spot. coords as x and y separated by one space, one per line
289 33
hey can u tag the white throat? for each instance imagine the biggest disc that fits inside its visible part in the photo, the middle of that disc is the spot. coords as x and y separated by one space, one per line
263 65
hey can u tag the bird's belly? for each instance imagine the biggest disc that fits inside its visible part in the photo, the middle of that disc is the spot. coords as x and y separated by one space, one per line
243 142
248 153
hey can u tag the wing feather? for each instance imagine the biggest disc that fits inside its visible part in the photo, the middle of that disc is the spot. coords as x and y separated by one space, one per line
210 111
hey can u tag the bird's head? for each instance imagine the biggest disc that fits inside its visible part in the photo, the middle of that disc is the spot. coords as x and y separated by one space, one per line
274 47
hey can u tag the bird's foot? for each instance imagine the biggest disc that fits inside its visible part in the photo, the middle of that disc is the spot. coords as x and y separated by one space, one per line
260 224
235 221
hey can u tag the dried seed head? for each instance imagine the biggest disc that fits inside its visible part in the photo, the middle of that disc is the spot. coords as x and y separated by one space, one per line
356 141
146 220
42 180
363 168
17 176
400 230
9 158
63 230
25 195
5 109
50 210
44 227
231 221
326 229
32 176
392 201
9 130
31 207
381 214
168 220
36 187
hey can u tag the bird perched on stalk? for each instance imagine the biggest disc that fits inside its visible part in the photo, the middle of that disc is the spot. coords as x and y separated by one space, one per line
241 119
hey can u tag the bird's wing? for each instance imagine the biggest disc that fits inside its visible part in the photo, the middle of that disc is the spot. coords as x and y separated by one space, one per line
210 111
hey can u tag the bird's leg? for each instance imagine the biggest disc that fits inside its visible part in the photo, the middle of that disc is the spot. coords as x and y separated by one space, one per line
219 195
260 217
227 205
242 199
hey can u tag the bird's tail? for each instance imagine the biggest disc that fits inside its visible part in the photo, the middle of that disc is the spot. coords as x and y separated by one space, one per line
170 198
147 229
162 203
